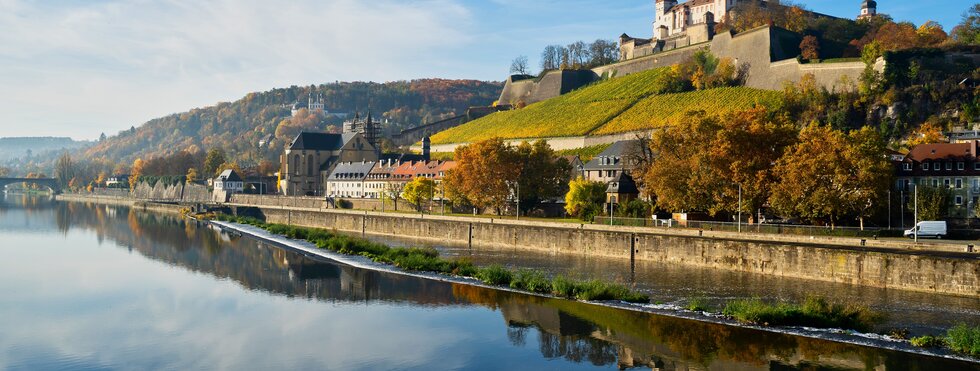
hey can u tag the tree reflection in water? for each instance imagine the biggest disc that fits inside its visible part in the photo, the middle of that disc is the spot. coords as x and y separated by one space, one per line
578 332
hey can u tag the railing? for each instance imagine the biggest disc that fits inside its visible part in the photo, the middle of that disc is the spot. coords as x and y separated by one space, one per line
787 229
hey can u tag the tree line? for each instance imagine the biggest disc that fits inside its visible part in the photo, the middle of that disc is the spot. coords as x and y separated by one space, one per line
577 55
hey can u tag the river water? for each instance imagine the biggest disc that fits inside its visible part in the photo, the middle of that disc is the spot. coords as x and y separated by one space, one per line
88 286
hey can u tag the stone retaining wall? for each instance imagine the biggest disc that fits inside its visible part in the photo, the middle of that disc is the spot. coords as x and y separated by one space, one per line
782 256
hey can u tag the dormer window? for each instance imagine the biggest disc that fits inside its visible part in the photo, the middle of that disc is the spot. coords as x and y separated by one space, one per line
925 166
907 166
960 165
936 166
949 165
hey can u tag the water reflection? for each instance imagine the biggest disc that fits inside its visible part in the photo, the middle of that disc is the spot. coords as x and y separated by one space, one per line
580 335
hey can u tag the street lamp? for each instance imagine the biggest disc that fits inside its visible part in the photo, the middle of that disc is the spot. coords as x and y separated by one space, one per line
517 187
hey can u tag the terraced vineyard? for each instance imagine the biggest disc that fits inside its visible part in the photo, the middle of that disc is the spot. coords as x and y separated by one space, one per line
623 104
573 114
660 110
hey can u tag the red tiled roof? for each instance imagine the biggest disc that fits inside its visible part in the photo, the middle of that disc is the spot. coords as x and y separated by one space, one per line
937 151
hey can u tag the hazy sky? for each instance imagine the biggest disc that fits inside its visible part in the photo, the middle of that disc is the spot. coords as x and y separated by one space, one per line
80 68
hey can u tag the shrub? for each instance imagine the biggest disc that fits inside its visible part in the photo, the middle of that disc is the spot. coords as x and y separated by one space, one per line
815 312
494 275
530 280
562 287
598 290
928 341
697 305
964 339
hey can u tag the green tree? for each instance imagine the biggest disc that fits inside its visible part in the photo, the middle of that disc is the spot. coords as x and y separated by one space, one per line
542 174
871 173
968 31
213 161
418 191
584 198
933 202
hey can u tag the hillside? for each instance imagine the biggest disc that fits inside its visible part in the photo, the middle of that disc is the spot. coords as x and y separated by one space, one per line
31 147
237 127
632 102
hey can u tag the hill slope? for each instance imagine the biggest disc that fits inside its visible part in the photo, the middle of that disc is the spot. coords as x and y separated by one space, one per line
632 102
238 126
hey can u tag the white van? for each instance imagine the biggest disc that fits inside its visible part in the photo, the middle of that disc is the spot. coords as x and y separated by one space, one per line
936 229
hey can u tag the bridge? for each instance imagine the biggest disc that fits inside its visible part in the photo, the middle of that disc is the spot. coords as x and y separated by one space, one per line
51 183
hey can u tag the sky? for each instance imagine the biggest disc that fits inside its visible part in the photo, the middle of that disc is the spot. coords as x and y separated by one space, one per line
81 68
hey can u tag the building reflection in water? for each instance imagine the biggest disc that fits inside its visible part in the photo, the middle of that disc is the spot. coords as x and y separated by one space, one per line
564 329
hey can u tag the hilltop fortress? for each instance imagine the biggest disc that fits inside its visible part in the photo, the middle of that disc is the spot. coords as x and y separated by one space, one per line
767 55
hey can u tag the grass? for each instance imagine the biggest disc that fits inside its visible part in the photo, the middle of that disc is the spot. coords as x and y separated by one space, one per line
428 260
964 339
814 312
697 305
961 338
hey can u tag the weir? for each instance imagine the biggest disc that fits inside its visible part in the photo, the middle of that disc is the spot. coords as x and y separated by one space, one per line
949 273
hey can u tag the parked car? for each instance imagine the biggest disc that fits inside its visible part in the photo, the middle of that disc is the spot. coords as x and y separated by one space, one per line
926 229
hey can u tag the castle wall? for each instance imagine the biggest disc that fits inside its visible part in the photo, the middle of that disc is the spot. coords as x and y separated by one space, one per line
553 84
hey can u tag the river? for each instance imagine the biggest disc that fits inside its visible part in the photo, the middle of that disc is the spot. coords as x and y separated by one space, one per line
88 287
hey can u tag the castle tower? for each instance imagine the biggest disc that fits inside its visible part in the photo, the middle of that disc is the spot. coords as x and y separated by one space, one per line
869 8
662 6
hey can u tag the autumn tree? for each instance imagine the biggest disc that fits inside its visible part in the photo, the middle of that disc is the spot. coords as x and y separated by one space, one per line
483 172
392 191
136 171
585 198
810 48
703 159
192 175
418 191
230 166
829 175
928 133
214 160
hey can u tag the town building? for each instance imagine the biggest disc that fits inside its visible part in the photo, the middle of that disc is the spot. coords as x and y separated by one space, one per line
117 181
226 184
578 167
347 180
954 166
378 183
311 157
622 190
620 157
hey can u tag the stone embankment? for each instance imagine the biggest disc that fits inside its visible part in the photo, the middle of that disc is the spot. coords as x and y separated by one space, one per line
885 264
939 268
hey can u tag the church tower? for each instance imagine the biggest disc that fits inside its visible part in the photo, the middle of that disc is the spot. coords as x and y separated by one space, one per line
869 8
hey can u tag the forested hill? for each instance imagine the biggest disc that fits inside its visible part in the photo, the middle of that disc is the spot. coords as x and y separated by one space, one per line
238 127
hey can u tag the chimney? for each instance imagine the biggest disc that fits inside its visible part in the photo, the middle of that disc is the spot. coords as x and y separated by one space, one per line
426 148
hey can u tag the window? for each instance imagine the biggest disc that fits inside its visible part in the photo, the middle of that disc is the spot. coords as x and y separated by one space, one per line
949 166
946 182
959 183
960 166
936 166
296 164
907 166
309 165
976 166
905 185
959 200
925 166
935 182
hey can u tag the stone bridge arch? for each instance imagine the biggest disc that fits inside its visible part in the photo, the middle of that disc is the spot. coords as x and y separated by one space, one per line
50 183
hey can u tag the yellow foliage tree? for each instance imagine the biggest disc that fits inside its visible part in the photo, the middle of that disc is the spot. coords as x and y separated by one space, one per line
135 173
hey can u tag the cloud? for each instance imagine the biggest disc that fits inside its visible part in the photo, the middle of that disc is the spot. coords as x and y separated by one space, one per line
114 64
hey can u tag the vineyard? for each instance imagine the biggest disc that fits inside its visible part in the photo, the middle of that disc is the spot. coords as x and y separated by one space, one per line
661 110
628 103
573 114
